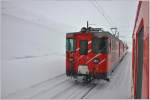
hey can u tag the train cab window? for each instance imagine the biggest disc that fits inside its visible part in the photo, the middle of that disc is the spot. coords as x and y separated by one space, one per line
99 45
70 45
83 47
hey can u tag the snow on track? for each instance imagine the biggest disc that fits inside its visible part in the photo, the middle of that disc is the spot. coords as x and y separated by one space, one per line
38 88
57 87
64 87
119 85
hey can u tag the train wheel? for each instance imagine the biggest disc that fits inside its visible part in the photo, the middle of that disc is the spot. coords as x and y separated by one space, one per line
107 79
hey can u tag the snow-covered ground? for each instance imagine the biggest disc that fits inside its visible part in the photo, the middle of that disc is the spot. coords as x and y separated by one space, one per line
30 53
60 86
33 46
17 73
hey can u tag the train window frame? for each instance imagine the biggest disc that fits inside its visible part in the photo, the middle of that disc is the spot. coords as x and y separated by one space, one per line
109 44
83 52
73 46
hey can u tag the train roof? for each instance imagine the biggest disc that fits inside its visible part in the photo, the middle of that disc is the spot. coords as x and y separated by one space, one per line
99 34
107 34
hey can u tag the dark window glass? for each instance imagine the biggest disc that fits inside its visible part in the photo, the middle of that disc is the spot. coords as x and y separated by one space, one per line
70 45
140 63
99 45
83 47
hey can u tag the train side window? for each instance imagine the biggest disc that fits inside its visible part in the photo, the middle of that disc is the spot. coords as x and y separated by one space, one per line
83 47
113 44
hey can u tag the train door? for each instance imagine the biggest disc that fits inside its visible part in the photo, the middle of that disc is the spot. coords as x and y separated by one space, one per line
139 63
84 41
70 49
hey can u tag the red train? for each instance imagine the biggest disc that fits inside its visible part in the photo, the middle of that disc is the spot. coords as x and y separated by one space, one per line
93 53
140 54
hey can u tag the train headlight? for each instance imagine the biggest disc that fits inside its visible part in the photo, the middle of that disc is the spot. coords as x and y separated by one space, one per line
96 60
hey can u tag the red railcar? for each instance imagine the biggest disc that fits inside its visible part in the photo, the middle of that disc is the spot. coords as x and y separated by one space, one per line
140 54
93 53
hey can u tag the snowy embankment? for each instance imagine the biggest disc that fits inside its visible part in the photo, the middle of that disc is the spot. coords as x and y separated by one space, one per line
31 53
26 72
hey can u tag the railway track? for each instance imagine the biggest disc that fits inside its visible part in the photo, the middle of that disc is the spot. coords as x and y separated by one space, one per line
86 93
57 87
76 91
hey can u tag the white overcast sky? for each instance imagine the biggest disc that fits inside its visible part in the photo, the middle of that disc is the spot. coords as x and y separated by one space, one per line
118 13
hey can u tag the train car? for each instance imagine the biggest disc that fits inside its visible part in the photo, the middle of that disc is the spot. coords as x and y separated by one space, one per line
140 53
93 53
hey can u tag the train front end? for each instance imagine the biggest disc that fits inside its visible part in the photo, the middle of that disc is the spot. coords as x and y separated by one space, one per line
86 55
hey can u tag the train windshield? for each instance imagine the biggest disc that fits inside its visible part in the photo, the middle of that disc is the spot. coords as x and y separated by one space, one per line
83 47
70 45
99 45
